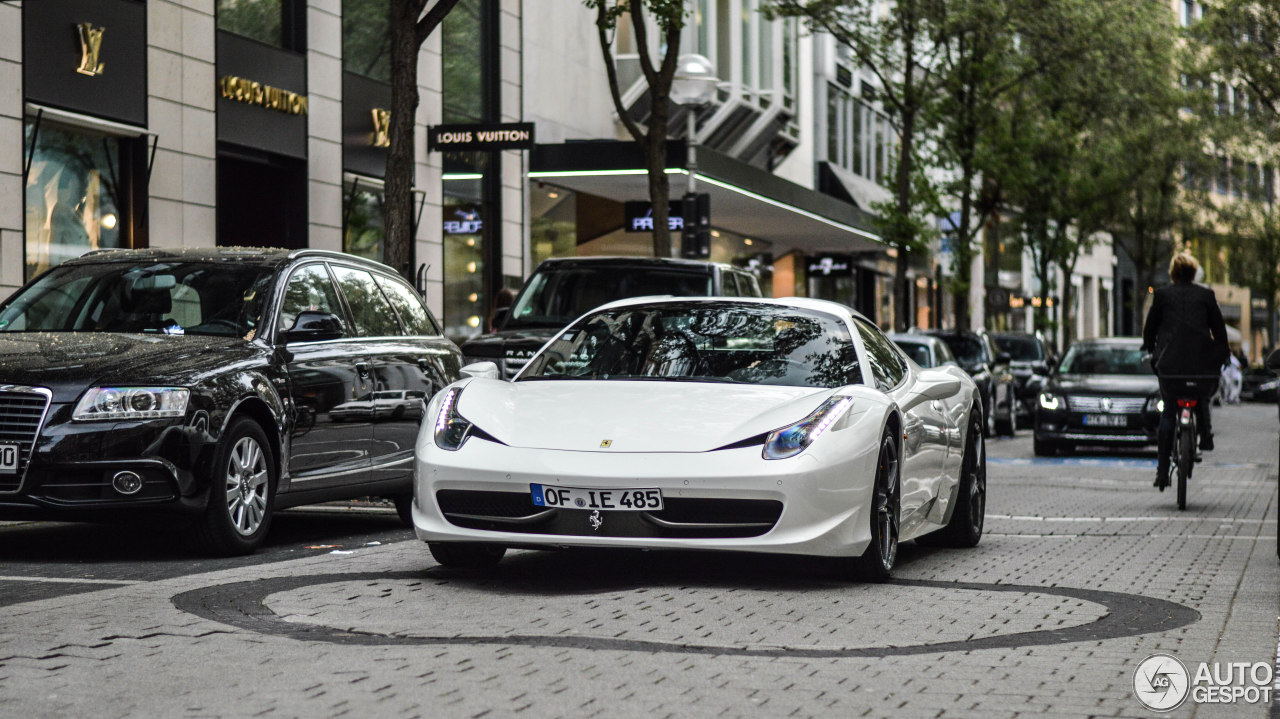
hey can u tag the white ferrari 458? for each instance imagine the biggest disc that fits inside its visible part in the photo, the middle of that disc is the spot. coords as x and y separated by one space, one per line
788 426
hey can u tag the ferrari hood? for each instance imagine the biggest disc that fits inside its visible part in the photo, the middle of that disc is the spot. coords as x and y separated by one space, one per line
631 416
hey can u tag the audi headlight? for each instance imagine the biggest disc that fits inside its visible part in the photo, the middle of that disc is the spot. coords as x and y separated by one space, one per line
1049 401
452 428
793 439
103 403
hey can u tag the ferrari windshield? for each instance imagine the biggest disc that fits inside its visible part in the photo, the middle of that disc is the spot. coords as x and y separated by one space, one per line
175 298
703 342
1104 359
556 297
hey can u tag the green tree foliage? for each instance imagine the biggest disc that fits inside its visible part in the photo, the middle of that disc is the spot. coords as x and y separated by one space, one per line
899 43
669 17
1255 255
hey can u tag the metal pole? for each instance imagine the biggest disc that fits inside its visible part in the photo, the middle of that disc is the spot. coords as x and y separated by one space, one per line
691 159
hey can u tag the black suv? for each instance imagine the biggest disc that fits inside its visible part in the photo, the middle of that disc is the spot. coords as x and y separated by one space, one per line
561 290
208 382
1031 362
989 367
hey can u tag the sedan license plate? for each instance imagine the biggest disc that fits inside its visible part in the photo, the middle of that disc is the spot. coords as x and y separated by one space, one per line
1106 420
618 500
9 458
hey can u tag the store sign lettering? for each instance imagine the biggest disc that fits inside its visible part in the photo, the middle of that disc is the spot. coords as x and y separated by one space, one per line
484 138
90 49
381 127
463 227
831 265
638 216
255 93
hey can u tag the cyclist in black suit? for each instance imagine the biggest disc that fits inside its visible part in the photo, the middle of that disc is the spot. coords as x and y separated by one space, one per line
1186 336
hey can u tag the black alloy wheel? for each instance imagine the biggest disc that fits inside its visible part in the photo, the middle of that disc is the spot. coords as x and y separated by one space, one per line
242 492
969 515
876 563
1008 427
466 555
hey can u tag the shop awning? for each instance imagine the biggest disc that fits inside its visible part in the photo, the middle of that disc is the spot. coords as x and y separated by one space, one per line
744 199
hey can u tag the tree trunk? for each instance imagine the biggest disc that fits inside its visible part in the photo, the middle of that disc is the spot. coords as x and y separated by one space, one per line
1068 322
398 202
902 315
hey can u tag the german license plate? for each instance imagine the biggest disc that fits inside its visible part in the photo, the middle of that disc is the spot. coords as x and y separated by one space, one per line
1106 420
618 500
9 458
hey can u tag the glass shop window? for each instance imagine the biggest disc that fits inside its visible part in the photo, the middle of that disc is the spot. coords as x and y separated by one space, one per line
76 196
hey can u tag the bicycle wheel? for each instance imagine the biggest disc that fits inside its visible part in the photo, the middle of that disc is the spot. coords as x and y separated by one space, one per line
1186 456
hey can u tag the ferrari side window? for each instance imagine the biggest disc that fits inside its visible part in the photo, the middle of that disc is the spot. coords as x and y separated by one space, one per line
887 366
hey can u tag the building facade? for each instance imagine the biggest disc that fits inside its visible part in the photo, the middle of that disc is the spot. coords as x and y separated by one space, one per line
156 123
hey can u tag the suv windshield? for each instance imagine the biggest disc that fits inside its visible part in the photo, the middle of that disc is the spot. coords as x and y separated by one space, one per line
556 297
703 342
196 298
1101 359
966 349
1021 349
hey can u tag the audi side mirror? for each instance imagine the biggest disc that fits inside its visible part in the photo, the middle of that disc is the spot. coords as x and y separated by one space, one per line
313 327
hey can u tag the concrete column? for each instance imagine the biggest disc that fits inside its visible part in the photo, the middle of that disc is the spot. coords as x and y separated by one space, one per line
324 123
181 93
427 174
12 257
515 224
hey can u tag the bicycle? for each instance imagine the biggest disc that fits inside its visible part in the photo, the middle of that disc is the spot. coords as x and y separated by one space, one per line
1188 391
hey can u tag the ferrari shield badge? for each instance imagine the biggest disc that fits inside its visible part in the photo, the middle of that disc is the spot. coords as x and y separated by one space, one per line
606 442
596 520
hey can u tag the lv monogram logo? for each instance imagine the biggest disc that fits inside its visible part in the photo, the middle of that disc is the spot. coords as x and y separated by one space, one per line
90 47
381 127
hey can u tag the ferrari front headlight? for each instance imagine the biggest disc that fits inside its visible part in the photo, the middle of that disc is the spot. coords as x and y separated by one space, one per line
452 428
104 403
793 439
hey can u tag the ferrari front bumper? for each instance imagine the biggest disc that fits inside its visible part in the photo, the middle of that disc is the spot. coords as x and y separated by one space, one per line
729 499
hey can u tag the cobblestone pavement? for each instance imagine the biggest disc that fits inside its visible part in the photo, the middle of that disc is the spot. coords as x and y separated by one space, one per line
1084 571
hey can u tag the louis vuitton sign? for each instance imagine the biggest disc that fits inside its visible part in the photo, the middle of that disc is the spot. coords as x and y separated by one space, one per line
249 92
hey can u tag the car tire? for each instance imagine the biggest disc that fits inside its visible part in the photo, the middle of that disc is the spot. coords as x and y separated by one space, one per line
404 508
876 563
1008 427
242 492
989 416
1043 447
965 528
466 555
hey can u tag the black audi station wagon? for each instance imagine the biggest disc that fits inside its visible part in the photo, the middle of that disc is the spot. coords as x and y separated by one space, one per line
204 382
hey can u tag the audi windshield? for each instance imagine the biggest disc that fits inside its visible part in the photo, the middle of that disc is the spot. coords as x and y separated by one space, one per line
174 298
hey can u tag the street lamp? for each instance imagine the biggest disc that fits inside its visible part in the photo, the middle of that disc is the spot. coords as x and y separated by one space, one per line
693 86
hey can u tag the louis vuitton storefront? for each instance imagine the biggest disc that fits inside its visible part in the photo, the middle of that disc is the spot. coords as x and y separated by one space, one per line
85 136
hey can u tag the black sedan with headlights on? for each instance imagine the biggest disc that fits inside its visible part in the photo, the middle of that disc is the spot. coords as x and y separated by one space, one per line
206 384
1102 393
